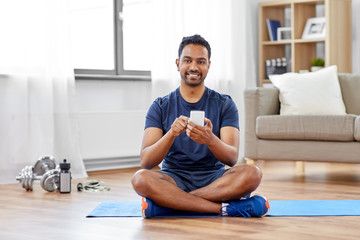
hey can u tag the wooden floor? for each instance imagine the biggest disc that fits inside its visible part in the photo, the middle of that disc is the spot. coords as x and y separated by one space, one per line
43 215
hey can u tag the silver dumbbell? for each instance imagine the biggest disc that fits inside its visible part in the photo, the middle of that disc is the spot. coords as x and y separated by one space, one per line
27 177
44 170
50 180
44 164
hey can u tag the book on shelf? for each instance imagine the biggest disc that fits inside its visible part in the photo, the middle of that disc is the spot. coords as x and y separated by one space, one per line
272 26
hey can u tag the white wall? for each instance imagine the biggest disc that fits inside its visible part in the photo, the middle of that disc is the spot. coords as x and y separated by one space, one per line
112 96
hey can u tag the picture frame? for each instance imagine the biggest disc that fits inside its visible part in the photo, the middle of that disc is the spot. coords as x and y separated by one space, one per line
284 33
315 28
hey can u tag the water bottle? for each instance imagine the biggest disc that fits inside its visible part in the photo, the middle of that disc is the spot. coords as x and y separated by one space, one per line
65 177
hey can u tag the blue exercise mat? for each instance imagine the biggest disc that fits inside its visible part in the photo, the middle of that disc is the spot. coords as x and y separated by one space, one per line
313 208
117 209
278 208
133 209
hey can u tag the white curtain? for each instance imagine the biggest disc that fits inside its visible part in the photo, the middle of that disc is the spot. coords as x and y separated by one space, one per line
36 87
230 28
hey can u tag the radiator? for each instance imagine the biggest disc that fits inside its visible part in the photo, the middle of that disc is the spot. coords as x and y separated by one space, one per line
111 140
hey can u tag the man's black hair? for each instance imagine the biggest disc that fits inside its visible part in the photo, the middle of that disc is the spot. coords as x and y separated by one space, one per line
195 39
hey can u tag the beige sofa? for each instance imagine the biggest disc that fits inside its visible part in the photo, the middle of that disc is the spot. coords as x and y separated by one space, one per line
321 138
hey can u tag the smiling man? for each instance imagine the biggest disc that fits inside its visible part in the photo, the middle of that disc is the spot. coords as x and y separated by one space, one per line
193 175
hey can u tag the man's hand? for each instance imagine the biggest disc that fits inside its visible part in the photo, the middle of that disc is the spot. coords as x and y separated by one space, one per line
155 145
179 125
199 134
225 148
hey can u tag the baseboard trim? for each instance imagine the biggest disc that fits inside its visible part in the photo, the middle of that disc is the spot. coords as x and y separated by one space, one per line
100 164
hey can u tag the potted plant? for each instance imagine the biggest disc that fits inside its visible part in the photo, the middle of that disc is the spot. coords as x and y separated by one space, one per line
317 64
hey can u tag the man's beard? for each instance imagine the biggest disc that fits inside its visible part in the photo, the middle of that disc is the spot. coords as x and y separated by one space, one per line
192 83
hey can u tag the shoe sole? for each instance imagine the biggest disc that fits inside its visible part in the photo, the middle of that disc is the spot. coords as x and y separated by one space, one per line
144 207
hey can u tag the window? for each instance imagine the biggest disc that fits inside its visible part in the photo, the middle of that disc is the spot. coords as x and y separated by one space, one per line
110 38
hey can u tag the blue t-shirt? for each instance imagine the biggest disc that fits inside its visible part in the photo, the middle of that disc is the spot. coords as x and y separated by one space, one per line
185 153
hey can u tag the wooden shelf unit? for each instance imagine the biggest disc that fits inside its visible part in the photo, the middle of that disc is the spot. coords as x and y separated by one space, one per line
337 42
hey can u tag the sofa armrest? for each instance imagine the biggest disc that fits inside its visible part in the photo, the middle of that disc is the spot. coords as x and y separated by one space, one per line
262 101
258 102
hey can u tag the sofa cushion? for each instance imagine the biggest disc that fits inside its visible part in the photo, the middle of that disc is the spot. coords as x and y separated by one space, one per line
314 93
350 88
306 127
357 128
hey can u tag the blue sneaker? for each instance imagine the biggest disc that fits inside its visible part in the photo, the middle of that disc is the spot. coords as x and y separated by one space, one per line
150 209
246 196
256 206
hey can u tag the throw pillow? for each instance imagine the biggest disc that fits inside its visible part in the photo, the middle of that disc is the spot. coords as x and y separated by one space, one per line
313 93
